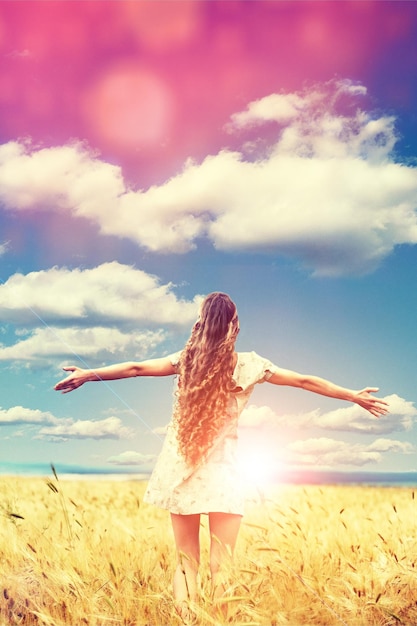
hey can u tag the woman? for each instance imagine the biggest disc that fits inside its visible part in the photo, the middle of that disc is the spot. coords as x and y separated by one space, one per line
196 471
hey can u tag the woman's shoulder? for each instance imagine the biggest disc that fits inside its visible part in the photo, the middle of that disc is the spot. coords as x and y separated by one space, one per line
252 367
250 356
175 358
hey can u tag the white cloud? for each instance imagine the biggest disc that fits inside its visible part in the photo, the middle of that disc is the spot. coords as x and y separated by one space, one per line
131 458
264 417
257 416
4 247
62 178
272 432
326 190
275 107
22 415
326 452
329 453
108 428
88 344
351 418
391 445
98 314
284 107
61 429
111 293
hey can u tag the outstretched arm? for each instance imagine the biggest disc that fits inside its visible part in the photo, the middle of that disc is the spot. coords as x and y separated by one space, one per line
325 387
129 369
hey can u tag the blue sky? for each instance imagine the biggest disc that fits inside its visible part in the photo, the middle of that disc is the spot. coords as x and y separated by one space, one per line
153 152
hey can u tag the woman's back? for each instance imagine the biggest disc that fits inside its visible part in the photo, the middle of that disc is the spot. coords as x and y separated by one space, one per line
214 483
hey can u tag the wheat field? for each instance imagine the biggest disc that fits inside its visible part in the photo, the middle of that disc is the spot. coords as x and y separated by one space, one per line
78 553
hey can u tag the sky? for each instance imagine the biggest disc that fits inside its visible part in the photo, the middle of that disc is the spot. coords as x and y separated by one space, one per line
153 152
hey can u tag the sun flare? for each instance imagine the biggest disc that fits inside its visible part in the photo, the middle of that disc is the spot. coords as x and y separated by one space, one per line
259 465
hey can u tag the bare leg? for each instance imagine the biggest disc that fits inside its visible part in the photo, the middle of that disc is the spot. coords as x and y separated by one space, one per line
224 528
186 532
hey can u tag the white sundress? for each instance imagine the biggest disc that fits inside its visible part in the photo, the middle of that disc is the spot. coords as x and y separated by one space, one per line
215 485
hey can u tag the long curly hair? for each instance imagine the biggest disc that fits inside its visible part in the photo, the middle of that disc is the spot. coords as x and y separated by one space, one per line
205 377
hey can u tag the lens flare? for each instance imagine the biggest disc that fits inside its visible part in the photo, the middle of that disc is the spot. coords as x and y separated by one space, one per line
258 465
129 107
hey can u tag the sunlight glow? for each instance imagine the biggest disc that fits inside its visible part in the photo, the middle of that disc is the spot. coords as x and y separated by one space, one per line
258 466
129 107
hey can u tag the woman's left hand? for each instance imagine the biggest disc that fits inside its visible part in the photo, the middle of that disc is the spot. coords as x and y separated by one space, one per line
374 405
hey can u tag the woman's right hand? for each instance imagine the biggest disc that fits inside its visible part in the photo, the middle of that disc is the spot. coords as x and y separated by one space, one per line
77 378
